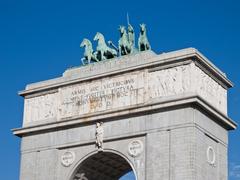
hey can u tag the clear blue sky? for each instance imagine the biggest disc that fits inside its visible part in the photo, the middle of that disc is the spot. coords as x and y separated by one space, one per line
40 39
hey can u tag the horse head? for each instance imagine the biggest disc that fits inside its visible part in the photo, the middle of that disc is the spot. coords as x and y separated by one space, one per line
142 28
122 30
85 42
98 36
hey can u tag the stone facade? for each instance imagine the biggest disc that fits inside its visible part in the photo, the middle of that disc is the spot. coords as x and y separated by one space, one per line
166 115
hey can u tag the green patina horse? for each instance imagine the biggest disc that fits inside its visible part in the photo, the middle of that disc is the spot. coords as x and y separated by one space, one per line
88 53
124 46
143 43
103 51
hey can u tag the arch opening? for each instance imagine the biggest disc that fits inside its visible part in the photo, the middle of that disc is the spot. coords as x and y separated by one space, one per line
104 166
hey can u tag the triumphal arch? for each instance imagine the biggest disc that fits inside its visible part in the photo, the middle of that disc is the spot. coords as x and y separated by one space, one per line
163 117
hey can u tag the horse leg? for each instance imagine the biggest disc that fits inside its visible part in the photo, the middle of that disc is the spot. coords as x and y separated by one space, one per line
125 50
120 50
139 45
89 59
148 46
82 59
102 56
94 58
114 52
128 48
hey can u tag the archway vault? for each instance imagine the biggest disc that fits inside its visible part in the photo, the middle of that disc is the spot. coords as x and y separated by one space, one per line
102 166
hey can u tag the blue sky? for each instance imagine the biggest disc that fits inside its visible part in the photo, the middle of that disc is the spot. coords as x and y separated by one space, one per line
40 39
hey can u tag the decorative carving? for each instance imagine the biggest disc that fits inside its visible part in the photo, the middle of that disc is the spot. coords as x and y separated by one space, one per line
68 158
130 89
99 136
135 148
170 81
184 79
40 108
211 156
210 90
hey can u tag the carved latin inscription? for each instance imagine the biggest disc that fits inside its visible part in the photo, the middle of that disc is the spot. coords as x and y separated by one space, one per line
100 95
125 90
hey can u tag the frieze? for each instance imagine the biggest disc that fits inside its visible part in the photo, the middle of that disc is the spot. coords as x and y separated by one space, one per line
40 108
125 90
210 90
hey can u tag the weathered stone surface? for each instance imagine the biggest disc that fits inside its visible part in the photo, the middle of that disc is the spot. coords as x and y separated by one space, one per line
125 90
40 108
161 114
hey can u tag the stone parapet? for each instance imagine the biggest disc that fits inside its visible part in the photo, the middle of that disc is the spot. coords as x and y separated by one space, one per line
128 84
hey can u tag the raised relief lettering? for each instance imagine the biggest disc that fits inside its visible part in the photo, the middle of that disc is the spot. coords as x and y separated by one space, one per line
125 90
108 93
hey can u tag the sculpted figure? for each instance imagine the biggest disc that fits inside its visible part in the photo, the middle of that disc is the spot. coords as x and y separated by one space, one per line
143 43
88 53
103 51
99 136
124 46
131 38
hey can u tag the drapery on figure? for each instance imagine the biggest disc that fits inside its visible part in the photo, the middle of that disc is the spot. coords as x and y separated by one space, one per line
99 136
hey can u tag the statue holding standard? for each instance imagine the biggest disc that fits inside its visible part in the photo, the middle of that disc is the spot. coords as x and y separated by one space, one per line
131 38
124 46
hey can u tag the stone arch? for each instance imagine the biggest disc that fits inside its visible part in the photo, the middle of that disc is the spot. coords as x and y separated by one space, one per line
106 165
